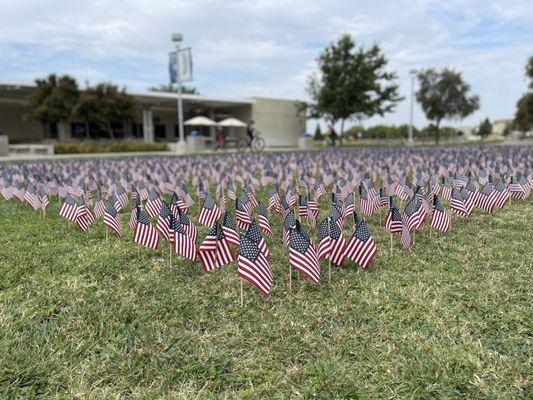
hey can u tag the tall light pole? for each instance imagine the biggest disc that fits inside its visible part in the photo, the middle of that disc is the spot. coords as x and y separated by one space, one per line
177 38
413 73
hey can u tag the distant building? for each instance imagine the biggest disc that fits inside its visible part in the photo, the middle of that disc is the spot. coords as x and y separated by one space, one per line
500 125
157 120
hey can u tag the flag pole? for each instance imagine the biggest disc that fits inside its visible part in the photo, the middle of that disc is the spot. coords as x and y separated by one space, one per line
329 256
170 254
391 242
290 279
242 294
105 233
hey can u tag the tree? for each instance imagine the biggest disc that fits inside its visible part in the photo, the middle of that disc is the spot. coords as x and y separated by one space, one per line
104 105
54 99
485 128
351 83
174 89
523 119
444 95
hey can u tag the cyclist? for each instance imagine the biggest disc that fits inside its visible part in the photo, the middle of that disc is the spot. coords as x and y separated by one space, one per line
250 130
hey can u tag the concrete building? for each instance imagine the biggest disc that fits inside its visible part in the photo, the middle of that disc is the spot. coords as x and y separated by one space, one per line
157 119
500 125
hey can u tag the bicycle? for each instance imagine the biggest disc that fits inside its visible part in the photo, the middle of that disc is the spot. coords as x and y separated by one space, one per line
257 143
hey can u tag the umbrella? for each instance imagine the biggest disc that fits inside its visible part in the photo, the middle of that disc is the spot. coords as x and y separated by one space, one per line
233 122
200 121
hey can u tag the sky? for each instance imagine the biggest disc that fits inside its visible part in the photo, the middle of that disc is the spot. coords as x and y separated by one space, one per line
269 48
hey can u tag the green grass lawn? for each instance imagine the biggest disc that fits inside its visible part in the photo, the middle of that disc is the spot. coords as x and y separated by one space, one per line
81 318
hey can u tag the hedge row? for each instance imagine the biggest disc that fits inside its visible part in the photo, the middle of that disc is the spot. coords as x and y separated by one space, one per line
110 147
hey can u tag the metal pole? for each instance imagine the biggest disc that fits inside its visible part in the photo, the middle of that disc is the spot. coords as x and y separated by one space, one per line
410 135
180 104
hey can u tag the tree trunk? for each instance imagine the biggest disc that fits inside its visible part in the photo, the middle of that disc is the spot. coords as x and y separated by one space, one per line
437 132
342 131
110 131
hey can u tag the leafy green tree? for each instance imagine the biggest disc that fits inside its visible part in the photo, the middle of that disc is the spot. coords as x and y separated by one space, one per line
53 100
352 82
444 95
318 133
523 119
484 129
104 105
174 89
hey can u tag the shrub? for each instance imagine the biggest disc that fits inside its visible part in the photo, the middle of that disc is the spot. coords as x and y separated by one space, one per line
106 147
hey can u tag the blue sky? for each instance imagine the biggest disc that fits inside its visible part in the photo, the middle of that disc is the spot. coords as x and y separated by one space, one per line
268 47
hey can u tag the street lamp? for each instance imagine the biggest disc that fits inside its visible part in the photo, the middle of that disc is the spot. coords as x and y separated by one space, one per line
413 73
177 38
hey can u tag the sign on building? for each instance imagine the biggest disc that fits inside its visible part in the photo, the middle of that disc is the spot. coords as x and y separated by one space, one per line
184 58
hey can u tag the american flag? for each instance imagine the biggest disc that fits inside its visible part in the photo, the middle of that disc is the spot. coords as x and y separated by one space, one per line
31 197
365 205
482 177
320 191
122 198
99 206
302 254
145 234
383 199
459 180
402 190
394 219
338 243
312 211
405 238
68 209
164 220
486 198
361 248
516 190
350 205
440 219
254 233
143 192
302 206
446 190
288 223
231 191
457 204
502 195
153 205
291 198
253 266
184 245
242 214
214 252
413 213
189 227
274 198
229 229
112 219
469 199
324 240
44 201
210 213
84 216
133 215
264 224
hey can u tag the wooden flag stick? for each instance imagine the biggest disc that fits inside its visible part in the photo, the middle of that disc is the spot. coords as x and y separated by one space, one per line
329 256
391 242
242 294
138 250
105 233
170 254
290 279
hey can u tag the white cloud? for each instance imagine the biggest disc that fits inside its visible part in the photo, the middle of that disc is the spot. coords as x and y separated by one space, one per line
268 47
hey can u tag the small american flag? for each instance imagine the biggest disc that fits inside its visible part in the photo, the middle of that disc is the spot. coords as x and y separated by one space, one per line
324 240
184 245
502 194
264 224
84 216
153 205
69 209
302 206
254 233
164 220
302 254
394 218
243 216
365 204
457 204
210 213
288 223
440 219
338 243
253 266
229 229
112 219
145 234
486 198
361 248
312 211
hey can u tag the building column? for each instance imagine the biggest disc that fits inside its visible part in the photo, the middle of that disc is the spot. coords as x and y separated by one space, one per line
63 131
212 128
148 125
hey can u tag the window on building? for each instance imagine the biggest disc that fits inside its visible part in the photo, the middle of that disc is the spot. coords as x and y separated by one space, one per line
160 133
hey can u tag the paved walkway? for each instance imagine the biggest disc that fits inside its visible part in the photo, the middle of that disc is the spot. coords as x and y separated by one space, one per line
35 157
